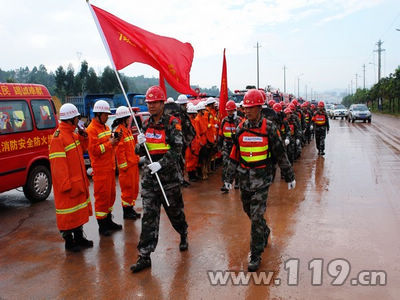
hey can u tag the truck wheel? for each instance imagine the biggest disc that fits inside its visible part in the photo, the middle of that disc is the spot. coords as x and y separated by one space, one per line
38 185
369 120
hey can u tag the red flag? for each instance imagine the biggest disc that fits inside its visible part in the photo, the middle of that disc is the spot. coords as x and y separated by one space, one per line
162 84
128 44
223 95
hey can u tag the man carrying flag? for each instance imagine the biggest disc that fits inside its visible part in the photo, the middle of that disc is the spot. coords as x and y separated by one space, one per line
164 140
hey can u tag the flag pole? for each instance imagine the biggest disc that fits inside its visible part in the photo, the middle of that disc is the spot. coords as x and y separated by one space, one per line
123 91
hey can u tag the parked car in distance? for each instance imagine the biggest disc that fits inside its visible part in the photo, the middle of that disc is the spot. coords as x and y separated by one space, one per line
27 123
359 112
328 109
339 111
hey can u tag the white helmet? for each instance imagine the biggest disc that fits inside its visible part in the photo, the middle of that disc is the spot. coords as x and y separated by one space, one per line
170 100
182 99
201 105
68 111
122 112
192 109
210 100
101 106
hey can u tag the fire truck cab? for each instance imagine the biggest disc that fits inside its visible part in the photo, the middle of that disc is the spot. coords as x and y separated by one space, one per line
27 123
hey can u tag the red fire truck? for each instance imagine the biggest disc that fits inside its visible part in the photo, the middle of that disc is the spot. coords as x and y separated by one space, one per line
27 123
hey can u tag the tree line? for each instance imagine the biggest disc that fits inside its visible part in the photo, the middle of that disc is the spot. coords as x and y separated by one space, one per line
66 82
387 89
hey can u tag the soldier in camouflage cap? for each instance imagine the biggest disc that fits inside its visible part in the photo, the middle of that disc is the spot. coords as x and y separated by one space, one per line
163 138
257 141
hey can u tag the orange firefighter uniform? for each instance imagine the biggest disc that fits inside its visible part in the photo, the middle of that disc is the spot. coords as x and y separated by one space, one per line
192 152
102 157
70 184
127 161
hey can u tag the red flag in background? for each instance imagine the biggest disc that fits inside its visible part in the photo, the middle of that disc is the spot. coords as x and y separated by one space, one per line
223 95
128 44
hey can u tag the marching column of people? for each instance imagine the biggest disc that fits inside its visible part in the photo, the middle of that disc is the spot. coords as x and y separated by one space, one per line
253 140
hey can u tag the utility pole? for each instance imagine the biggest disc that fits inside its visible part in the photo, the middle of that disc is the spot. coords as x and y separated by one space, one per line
258 68
364 76
298 85
306 92
311 95
284 79
356 82
351 85
380 50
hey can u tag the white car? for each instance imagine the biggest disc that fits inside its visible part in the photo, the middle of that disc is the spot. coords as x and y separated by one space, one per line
329 109
339 111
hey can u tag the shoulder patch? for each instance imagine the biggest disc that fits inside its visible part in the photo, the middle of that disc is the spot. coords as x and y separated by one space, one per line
57 133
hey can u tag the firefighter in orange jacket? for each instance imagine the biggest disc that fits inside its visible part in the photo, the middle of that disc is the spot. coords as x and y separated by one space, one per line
193 150
202 120
102 156
70 184
127 161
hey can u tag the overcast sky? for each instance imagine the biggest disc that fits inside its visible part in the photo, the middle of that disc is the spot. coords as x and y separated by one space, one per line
327 41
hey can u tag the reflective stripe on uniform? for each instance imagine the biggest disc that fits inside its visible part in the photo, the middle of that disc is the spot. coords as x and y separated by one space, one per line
71 210
157 146
101 214
254 149
57 154
124 203
72 146
102 148
103 134
228 134
254 158
123 165
128 138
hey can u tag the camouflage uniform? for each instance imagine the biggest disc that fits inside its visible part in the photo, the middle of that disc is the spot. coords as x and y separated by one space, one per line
254 182
320 131
227 144
293 149
170 177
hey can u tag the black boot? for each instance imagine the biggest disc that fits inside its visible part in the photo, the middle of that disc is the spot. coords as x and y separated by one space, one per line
81 240
103 227
112 225
192 176
129 213
184 245
185 183
136 213
254 264
267 232
143 262
322 152
70 243
224 189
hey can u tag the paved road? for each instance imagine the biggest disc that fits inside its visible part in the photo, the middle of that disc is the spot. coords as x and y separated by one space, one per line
345 206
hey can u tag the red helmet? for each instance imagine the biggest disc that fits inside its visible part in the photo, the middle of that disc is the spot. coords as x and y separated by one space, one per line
295 102
230 105
304 105
271 103
155 93
252 98
307 103
264 95
277 107
312 106
282 103
321 104
292 106
287 110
